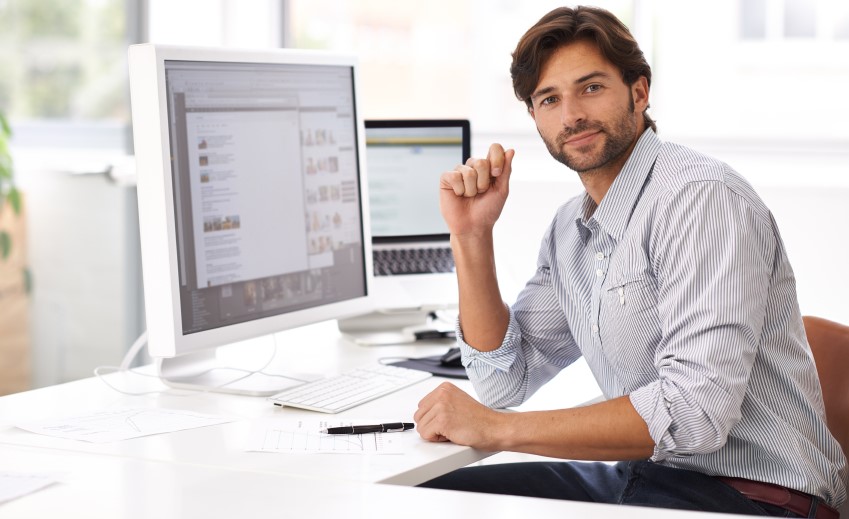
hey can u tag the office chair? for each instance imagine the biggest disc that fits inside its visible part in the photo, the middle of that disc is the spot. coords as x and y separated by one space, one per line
829 343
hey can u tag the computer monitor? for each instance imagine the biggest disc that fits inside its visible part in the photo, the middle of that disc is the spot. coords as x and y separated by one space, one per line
252 201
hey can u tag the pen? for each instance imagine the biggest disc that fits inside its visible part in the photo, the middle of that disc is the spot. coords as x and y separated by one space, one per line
364 429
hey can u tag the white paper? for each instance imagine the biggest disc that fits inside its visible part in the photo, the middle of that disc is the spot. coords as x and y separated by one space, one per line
17 484
122 424
304 437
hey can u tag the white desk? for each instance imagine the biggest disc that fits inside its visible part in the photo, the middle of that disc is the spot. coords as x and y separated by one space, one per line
207 473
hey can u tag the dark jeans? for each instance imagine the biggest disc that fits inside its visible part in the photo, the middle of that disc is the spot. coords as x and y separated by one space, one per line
637 483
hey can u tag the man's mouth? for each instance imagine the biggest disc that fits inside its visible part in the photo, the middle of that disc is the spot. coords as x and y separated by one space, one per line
582 138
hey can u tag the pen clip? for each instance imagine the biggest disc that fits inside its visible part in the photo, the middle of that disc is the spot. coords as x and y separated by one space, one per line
394 429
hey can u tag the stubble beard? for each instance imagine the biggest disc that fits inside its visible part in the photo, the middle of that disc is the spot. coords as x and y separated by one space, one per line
618 139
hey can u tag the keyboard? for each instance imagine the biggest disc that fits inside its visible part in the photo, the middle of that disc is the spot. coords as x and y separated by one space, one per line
349 389
412 261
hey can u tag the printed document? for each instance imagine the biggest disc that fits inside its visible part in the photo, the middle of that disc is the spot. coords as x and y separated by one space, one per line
304 437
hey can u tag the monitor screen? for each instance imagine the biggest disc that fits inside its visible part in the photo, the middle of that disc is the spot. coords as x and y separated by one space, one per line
251 193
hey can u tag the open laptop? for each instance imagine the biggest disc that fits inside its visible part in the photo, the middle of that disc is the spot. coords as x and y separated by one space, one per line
413 267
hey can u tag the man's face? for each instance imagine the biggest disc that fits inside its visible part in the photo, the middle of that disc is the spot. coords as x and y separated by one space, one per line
587 116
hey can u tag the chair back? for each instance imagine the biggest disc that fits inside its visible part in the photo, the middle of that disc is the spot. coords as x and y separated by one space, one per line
829 343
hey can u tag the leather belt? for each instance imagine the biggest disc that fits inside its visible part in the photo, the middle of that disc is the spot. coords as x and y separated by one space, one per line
787 498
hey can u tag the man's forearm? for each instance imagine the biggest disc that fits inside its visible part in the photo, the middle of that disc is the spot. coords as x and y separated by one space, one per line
608 431
483 315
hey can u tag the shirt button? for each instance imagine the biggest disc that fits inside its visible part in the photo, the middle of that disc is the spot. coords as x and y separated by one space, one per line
595 328
599 255
599 272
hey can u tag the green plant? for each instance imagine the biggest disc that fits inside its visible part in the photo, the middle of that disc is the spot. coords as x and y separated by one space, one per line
8 192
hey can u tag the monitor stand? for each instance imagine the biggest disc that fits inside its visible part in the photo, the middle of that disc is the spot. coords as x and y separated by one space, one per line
202 371
390 326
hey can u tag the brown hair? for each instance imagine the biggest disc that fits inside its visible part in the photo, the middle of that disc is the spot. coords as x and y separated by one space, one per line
565 25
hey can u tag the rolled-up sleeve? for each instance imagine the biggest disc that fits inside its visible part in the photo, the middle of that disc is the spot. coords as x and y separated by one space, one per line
536 346
712 277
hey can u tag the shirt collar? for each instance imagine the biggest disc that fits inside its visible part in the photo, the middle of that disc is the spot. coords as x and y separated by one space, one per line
615 210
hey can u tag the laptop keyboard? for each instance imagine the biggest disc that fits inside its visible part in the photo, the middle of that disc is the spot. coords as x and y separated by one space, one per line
413 261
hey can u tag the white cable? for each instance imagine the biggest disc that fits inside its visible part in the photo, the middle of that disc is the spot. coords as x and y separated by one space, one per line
141 341
134 350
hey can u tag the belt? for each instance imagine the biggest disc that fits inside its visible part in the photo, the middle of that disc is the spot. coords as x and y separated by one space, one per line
787 498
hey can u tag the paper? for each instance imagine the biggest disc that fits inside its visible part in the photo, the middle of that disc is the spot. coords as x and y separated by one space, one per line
17 484
304 438
122 424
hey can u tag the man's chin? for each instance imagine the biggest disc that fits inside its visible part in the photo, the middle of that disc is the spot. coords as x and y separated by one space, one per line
576 164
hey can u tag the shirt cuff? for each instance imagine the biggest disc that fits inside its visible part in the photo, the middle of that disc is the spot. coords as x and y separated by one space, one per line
653 408
500 358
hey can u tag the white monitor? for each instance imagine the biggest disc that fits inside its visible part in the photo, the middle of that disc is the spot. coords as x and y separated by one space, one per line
252 200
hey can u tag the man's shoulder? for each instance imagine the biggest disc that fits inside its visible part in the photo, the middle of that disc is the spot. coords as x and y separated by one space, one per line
678 165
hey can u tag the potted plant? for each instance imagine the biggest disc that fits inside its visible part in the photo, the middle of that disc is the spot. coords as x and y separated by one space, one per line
14 277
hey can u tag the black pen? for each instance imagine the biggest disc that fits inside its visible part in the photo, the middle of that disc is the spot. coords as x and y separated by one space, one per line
365 429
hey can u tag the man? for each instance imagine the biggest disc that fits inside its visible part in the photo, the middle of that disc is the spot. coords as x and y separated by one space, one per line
668 275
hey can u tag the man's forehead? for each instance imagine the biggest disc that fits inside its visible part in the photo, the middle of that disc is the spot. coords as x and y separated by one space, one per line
574 61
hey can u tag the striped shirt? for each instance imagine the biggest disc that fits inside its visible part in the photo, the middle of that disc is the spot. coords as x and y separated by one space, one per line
678 292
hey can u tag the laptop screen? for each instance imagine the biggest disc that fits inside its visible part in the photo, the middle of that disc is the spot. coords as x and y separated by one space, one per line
405 160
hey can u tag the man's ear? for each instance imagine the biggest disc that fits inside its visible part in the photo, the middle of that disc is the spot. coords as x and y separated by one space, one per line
640 93
531 113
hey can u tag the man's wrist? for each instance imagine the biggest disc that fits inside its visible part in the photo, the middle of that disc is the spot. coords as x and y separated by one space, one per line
472 247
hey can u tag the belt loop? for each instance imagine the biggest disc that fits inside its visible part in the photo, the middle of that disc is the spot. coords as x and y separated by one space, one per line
815 503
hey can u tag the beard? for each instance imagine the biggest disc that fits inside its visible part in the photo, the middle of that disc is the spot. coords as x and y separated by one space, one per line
620 134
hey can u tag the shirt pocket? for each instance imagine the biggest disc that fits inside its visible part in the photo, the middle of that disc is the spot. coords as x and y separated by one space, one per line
629 325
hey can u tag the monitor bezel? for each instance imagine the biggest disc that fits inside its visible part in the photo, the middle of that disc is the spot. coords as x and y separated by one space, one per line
156 200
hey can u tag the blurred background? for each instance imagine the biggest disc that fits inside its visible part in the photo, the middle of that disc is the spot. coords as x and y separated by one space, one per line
756 83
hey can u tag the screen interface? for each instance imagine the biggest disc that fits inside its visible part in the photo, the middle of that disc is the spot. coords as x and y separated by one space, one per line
266 189
404 166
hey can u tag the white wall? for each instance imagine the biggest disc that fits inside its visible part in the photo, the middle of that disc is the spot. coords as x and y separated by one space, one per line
83 247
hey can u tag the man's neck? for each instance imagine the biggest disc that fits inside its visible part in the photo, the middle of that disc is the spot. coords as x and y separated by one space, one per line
597 182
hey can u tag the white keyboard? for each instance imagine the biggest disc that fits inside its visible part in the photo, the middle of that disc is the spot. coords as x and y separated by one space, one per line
349 389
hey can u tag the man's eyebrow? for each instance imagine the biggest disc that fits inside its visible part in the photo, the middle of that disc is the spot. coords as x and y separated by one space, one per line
541 92
592 75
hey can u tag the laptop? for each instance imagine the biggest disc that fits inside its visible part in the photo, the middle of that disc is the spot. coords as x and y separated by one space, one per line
413 266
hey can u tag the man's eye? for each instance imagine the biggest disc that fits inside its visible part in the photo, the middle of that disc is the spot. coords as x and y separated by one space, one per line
593 88
548 100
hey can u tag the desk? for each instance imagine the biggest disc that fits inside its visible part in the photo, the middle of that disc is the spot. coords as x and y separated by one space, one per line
206 472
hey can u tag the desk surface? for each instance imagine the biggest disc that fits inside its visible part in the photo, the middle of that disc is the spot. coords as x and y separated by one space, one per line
207 472
225 445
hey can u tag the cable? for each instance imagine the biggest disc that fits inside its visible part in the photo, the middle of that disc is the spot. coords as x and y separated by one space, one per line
133 351
141 341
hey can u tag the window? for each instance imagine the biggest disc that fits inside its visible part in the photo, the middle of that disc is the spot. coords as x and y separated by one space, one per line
443 58
64 68
794 19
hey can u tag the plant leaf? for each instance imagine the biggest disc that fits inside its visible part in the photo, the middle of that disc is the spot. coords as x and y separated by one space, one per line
14 198
5 161
4 126
5 244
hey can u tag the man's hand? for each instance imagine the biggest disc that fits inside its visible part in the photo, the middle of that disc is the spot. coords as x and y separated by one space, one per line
449 414
473 194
